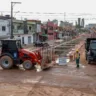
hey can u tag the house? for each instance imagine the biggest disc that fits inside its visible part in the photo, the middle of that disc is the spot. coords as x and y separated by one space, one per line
31 28
20 32
43 34
56 31
19 29
27 30
67 30
38 31
65 24
34 29
4 27
93 25
50 30
60 33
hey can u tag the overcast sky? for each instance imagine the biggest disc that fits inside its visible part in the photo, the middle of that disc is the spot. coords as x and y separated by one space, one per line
78 7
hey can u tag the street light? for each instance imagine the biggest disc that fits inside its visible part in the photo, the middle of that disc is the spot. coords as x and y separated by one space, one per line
12 4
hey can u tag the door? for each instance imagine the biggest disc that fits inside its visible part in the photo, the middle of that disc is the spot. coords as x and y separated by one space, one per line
29 39
22 40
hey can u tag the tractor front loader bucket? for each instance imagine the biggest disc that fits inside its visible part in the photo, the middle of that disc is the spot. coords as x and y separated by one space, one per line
47 58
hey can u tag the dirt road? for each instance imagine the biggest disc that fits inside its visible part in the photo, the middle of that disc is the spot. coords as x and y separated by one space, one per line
56 81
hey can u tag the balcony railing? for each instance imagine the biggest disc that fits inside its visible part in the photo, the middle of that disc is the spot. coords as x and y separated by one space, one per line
20 31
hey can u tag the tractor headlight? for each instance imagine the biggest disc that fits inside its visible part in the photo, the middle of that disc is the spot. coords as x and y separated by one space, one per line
89 52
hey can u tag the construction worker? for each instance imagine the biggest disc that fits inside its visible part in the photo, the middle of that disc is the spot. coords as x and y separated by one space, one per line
77 57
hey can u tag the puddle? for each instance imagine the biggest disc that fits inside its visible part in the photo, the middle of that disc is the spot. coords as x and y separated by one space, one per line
35 80
62 61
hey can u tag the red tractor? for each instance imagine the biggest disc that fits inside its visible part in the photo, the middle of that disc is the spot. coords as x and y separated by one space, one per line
12 54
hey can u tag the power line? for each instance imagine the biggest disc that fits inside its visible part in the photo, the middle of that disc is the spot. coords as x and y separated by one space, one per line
61 16
74 14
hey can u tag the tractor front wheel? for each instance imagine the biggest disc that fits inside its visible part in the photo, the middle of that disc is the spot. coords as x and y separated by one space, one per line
6 62
27 65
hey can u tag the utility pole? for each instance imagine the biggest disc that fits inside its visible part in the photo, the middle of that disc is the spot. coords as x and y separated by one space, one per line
64 16
12 4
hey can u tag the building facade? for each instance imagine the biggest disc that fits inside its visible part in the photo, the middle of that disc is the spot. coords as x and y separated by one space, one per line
49 31
34 29
4 29
19 32
21 29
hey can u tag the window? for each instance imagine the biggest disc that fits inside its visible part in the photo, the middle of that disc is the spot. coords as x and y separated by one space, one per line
29 27
50 28
45 31
22 40
93 45
20 26
3 28
33 28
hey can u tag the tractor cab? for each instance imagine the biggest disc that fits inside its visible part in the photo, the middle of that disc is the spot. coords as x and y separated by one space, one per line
10 48
9 53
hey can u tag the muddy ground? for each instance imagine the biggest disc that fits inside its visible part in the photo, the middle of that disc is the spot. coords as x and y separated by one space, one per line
56 81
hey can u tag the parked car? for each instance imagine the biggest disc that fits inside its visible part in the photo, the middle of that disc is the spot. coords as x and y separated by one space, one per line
41 44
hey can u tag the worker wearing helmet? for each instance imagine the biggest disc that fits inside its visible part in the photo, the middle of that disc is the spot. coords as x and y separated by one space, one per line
77 57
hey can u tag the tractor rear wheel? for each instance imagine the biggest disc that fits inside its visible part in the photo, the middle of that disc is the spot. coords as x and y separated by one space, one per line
6 62
27 65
